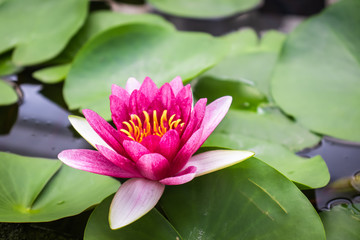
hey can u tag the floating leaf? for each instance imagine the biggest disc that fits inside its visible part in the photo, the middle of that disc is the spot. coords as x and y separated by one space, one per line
136 51
7 67
248 201
101 21
204 8
342 222
241 41
269 126
38 29
97 22
251 61
151 226
317 78
7 94
307 173
38 190
53 74
244 95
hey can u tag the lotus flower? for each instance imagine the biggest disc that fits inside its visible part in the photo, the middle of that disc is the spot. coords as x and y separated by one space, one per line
157 132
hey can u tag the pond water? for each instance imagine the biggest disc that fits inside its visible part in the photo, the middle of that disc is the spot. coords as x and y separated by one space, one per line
41 128
343 161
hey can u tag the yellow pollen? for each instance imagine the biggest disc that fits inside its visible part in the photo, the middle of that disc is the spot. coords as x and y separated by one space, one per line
137 130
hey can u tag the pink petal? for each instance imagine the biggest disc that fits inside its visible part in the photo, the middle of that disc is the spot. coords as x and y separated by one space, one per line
120 161
186 152
135 149
104 130
119 111
214 113
92 161
120 93
169 144
176 85
164 100
133 200
86 131
168 97
182 177
132 84
151 142
211 161
184 101
149 89
153 166
138 103
196 119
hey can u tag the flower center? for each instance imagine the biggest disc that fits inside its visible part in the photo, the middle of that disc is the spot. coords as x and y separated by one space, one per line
137 130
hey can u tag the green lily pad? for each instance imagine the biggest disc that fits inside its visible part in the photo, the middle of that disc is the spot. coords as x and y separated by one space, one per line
248 55
248 201
7 94
54 74
204 8
342 222
101 21
38 29
151 226
317 78
7 67
269 126
39 190
244 95
136 51
97 22
241 41
305 172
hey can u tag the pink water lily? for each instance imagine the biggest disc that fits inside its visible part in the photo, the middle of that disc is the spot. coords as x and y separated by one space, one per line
157 132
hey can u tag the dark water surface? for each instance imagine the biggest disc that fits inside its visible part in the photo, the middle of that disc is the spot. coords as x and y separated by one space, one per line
42 128
343 161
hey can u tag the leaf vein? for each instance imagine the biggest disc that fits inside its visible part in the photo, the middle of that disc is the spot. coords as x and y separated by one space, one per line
271 196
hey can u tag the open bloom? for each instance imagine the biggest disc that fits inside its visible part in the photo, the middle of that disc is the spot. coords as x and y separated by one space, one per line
157 132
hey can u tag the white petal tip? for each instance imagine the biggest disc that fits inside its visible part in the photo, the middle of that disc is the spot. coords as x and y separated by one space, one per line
134 199
211 161
115 226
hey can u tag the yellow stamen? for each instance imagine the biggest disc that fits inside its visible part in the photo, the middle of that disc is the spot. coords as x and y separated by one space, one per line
162 120
137 129
129 127
137 119
155 122
127 133
147 123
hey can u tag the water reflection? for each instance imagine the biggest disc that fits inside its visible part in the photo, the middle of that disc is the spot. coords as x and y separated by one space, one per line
41 128
343 161
8 117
